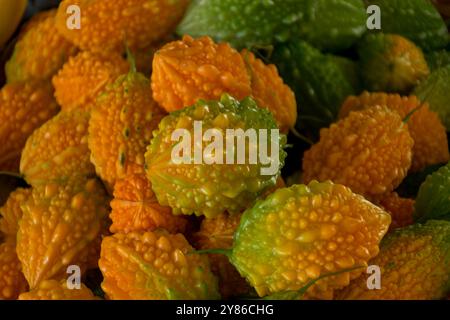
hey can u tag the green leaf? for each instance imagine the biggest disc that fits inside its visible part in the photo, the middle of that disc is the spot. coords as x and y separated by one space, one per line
433 199
435 90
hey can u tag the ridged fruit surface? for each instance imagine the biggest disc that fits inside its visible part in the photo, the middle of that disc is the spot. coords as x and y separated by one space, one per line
58 150
154 266
259 24
59 222
11 212
108 25
391 63
191 69
414 263
55 290
84 76
369 151
319 81
400 209
270 92
417 20
218 233
135 208
123 119
300 233
208 187
12 281
426 129
40 51
24 107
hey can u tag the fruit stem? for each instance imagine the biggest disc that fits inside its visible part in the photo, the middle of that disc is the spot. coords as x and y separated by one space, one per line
301 136
297 294
226 252
11 174
411 113
131 60
423 101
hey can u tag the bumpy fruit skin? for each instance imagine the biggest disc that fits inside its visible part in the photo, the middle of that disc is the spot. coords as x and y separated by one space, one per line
121 126
90 256
400 209
23 108
59 222
426 129
155 266
207 188
12 281
300 233
333 25
190 69
107 25
218 233
433 198
320 83
57 290
244 24
391 63
414 263
270 92
135 208
40 51
144 56
369 151
84 76
11 212
58 150
279 184
247 24
417 20
437 59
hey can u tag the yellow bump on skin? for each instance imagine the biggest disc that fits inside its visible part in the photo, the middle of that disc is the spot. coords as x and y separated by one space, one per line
78 201
221 121
313 271
307 236
50 190
327 231
163 244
